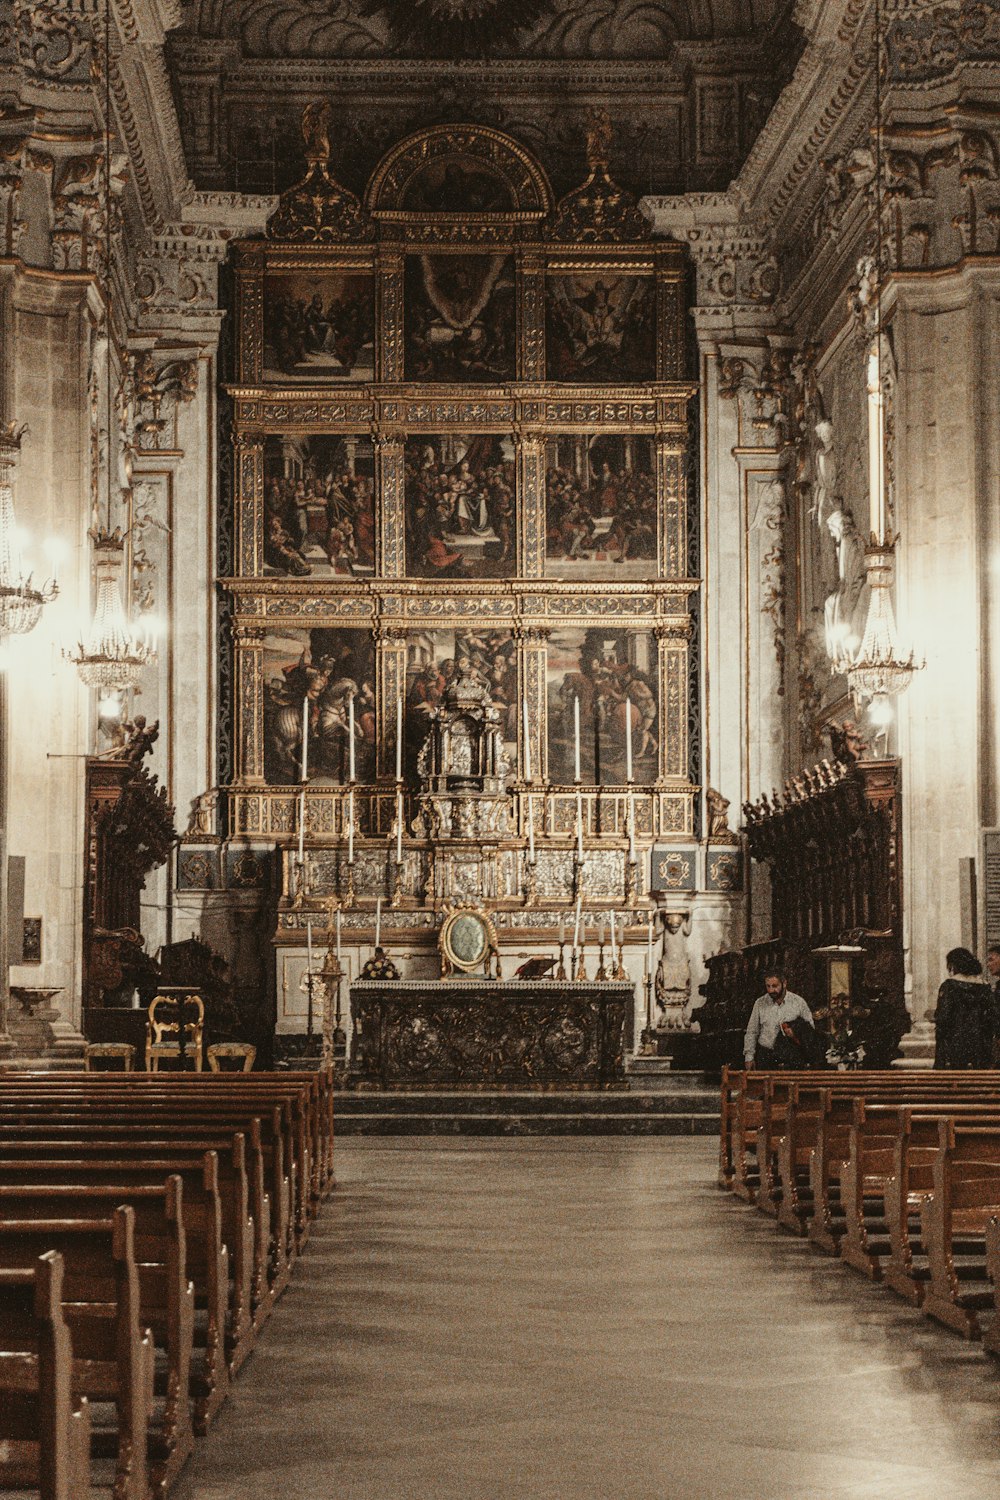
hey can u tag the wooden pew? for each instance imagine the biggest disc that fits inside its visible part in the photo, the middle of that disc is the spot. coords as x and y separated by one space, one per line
44 1434
166 1296
115 1142
305 1126
953 1220
112 1353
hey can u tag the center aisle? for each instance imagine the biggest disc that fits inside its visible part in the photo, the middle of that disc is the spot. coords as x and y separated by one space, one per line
580 1319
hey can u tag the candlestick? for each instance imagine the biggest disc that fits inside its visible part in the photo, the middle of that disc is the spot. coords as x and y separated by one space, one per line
305 738
350 827
309 945
576 925
399 828
399 737
531 834
576 739
631 827
579 827
649 944
628 739
527 741
338 934
612 915
378 922
350 736
302 826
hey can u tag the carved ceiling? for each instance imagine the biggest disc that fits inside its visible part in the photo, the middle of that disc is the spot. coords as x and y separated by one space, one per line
689 83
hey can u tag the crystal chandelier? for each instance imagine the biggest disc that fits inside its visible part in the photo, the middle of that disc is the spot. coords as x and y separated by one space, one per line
112 653
21 600
881 670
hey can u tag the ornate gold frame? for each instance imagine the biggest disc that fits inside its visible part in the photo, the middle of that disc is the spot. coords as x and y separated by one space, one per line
450 960
338 233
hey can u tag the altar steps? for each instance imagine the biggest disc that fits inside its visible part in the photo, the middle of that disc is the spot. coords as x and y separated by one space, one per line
686 1108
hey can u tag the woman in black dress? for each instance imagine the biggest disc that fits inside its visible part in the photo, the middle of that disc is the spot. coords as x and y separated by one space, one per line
964 1016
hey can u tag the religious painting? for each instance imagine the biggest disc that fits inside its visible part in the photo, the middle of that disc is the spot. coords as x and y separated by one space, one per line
319 326
311 678
461 518
319 506
456 184
436 659
600 507
611 673
460 318
600 328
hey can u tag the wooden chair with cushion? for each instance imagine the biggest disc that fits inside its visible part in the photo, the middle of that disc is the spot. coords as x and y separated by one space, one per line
175 1031
242 1053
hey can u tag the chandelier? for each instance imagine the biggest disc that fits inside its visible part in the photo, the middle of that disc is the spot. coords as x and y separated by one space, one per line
21 600
112 653
881 670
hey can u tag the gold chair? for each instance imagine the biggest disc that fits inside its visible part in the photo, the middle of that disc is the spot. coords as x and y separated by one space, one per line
244 1052
164 1036
124 1052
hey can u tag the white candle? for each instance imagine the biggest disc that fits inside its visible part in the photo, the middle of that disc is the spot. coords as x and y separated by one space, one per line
576 739
309 946
612 934
350 736
562 932
338 934
579 826
302 826
649 946
531 833
305 738
378 922
399 828
350 827
527 740
601 933
628 739
631 828
399 738
576 925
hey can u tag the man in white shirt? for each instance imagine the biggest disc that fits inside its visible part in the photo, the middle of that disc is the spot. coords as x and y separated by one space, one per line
772 1014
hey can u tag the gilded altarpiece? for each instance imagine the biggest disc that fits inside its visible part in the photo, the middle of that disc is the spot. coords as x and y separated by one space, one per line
461 445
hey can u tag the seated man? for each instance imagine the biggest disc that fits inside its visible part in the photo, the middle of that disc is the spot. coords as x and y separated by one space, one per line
777 1017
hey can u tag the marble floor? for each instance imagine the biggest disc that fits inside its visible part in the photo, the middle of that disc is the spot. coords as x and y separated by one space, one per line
587 1320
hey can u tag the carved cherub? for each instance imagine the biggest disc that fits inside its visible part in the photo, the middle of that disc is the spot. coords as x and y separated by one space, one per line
846 742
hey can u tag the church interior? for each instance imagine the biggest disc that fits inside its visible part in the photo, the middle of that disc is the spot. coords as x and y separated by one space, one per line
499 583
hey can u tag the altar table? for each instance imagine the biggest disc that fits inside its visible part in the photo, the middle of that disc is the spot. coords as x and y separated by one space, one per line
489 1034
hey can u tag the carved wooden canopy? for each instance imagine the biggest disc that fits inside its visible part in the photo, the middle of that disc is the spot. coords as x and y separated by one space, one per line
459 182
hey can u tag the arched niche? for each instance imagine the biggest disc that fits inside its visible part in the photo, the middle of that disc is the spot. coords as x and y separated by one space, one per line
459 173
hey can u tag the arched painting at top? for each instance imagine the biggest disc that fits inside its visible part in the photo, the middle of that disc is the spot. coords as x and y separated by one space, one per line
457 185
600 327
460 318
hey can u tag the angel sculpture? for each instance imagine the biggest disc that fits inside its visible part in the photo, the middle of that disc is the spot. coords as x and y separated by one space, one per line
316 130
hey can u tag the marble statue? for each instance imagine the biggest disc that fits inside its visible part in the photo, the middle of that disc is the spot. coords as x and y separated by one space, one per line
673 972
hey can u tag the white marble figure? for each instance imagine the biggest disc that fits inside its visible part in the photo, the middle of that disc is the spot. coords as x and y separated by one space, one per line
843 622
673 972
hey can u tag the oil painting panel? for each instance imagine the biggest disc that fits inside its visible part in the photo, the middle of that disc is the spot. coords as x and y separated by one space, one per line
460 318
612 673
437 660
319 327
600 507
319 506
310 677
600 328
461 506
